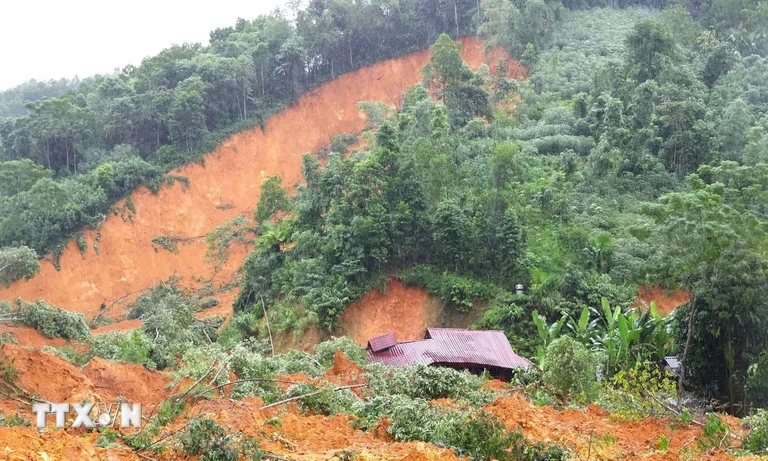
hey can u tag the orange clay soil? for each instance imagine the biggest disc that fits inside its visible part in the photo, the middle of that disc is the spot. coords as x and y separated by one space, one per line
228 185
665 304
26 336
403 310
609 439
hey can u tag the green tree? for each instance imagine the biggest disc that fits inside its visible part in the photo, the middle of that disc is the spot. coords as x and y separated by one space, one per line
649 48
19 175
272 199
716 249
17 263
186 117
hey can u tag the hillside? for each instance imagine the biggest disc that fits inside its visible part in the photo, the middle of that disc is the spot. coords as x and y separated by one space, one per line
588 182
226 185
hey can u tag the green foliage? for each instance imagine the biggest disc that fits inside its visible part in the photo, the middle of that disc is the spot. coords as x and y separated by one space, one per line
570 369
236 231
211 442
13 421
17 263
472 433
167 314
428 383
273 198
325 351
648 45
51 321
167 242
756 440
458 291
323 401
640 392
714 434
131 347
19 175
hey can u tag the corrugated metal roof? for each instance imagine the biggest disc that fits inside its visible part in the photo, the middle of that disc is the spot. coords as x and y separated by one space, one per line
382 342
453 346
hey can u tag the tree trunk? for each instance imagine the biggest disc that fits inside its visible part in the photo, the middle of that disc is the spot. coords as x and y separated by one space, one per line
688 336
456 17
349 41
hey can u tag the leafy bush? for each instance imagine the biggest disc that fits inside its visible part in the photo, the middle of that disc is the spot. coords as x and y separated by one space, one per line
123 346
640 392
458 291
51 321
756 440
469 432
325 351
429 383
570 370
325 402
211 442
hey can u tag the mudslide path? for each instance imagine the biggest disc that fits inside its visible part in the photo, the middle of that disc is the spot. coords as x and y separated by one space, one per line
226 186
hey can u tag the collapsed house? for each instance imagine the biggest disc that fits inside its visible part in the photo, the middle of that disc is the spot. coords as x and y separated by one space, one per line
473 350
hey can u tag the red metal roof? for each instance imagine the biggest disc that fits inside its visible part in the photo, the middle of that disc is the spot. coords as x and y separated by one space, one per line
382 342
452 346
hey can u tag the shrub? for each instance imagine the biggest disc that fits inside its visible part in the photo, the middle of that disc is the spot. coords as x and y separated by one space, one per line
570 370
637 392
756 440
429 383
123 346
209 440
458 291
325 351
472 433
325 402
51 321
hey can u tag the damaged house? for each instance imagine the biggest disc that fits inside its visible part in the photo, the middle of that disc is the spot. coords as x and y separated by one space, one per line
473 350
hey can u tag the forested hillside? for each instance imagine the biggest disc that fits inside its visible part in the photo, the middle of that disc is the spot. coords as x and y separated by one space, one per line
634 154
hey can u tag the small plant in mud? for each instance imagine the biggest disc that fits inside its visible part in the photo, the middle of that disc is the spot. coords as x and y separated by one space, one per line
167 242
107 438
7 338
663 444
13 421
715 434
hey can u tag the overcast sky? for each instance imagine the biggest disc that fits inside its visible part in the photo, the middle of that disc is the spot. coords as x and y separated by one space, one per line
50 39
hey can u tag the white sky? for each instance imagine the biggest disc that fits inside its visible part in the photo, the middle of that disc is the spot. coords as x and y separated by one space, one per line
51 39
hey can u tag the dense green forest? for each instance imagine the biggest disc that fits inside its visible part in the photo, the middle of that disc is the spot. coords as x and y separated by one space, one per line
636 154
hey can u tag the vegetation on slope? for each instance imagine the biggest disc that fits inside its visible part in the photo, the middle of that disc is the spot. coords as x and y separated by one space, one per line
628 172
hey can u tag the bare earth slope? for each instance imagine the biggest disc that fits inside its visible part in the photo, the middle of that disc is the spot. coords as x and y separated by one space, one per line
226 186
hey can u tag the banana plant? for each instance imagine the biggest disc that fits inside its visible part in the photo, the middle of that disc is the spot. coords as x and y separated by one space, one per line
584 329
547 333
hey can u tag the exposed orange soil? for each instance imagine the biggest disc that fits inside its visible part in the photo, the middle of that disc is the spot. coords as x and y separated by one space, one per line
585 431
26 336
26 444
128 261
133 382
48 376
400 309
665 304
